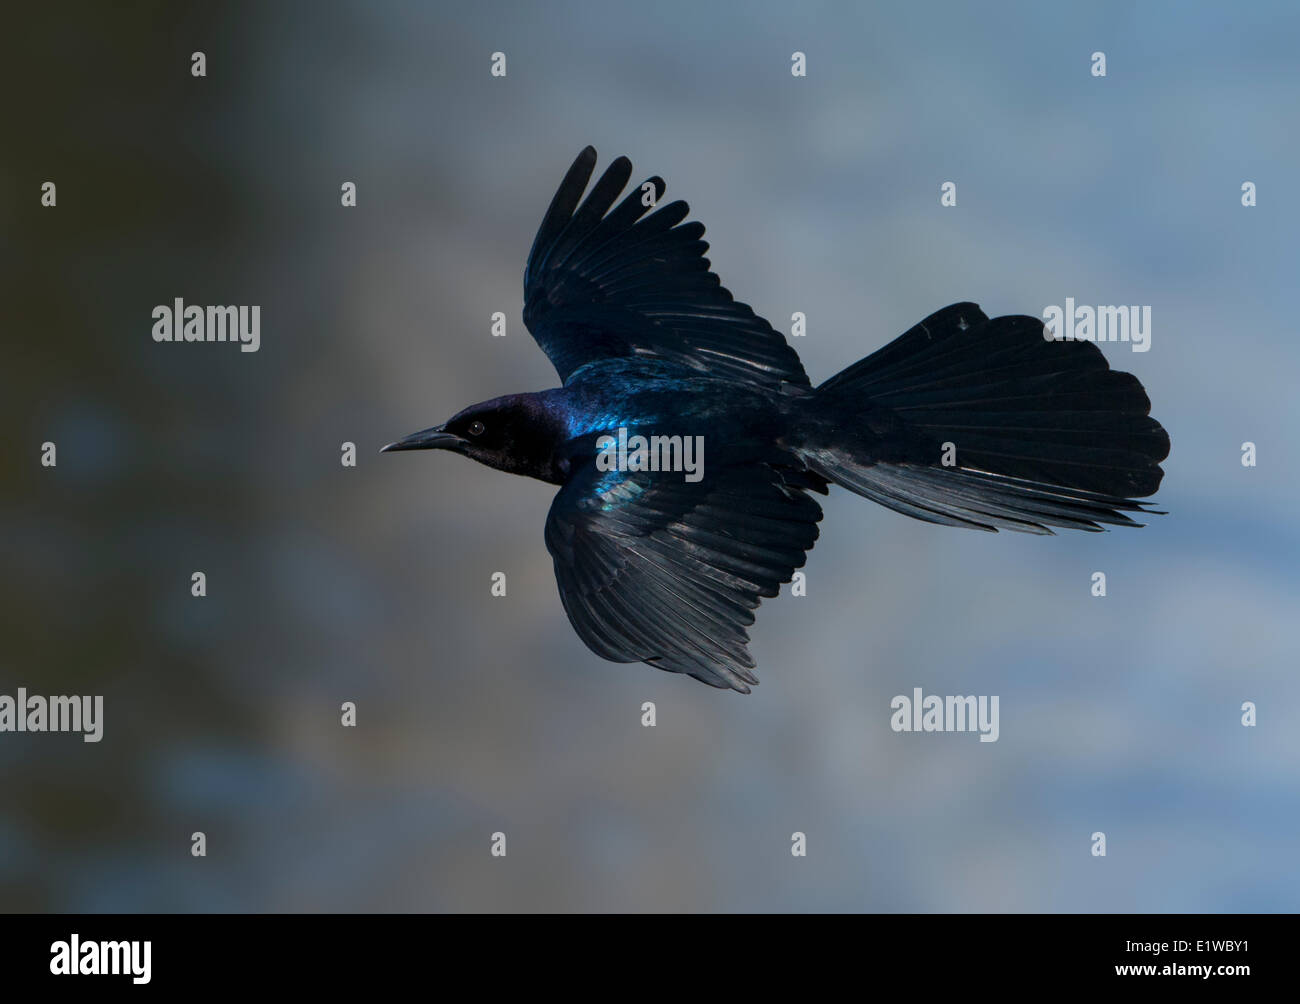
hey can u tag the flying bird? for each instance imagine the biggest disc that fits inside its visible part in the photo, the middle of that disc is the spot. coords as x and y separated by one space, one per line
963 420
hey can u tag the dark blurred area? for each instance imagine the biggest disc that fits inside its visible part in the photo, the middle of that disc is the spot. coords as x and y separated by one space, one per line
371 584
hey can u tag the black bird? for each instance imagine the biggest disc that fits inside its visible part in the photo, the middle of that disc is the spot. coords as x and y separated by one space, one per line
962 420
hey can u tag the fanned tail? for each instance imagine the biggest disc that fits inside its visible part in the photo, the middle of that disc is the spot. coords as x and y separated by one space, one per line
985 423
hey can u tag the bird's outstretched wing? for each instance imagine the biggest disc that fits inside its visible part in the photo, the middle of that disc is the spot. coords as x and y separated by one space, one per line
602 284
655 569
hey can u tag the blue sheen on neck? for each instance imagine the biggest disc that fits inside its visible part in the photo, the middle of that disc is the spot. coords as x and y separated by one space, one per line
582 424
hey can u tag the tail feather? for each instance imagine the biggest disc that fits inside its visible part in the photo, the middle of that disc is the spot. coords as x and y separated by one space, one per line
1044 432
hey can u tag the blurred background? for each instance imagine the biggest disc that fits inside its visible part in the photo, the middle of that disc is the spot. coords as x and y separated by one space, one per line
479 714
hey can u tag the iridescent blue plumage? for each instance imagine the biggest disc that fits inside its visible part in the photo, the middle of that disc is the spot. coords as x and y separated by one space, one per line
664 565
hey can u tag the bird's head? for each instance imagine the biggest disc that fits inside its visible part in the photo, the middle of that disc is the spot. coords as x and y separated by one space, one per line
516 433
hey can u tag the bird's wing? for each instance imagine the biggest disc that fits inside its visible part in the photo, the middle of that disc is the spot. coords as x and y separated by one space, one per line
602 284
653 568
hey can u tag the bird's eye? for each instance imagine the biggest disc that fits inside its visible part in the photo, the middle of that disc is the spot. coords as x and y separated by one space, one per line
477 428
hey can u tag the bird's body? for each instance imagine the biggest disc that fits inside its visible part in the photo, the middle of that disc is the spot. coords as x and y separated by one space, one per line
650 397
962 420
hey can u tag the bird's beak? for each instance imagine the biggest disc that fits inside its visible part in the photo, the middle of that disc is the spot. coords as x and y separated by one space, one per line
428 439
